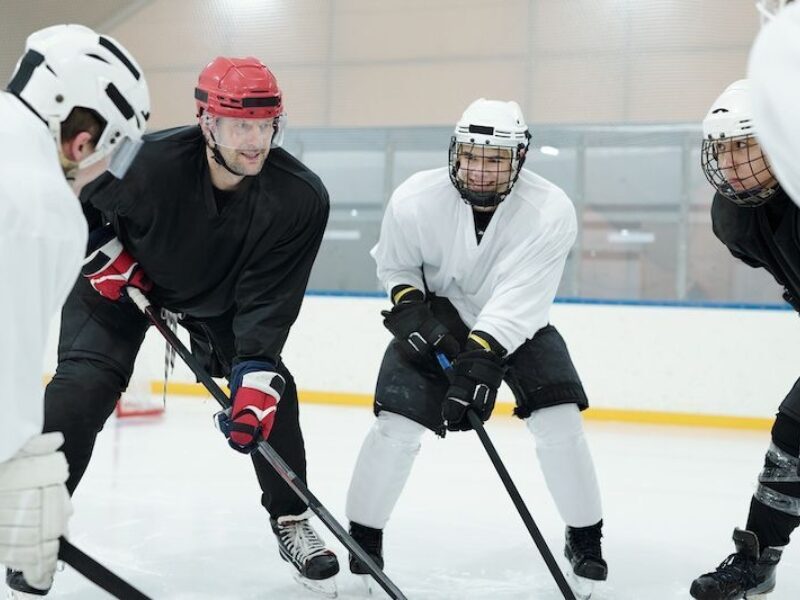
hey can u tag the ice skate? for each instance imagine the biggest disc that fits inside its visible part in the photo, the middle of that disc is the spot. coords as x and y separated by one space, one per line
300 545
371 541
747 573
18 588
584 552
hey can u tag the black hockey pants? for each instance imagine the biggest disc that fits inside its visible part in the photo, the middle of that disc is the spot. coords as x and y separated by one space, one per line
97 348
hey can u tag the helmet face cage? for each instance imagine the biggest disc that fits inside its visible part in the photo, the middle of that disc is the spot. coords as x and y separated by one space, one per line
484 173
487 150
738 169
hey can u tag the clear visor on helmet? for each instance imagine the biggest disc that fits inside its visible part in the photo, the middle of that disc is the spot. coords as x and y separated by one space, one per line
738 169
244 135
120 155
123 156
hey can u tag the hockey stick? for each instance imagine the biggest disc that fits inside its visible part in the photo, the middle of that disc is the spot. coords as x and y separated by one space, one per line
97 573
272 457
516 498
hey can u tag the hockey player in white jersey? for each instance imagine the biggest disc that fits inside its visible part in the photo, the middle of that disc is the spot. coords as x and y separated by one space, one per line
76 105
471 256
774 71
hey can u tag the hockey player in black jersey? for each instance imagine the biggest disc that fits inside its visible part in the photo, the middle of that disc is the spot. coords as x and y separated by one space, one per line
758 222
219 224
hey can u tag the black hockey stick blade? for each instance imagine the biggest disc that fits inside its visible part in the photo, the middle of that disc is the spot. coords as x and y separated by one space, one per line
267 451
516 498
97 573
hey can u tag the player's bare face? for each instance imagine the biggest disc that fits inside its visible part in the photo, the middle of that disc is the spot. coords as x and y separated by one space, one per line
484 169
743 164
244 143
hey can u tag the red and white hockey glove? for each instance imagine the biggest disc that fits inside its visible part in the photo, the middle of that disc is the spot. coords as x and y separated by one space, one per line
109 268
256 390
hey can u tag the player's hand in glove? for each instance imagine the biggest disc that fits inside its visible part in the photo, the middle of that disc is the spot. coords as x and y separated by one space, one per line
110 268
34 509
476 375
256 390
412 323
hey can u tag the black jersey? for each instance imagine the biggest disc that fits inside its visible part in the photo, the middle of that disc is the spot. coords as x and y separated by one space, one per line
763 236
249 251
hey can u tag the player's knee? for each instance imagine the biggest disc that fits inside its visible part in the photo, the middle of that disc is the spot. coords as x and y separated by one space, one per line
786 434
779 481
398 428
82 394
556 425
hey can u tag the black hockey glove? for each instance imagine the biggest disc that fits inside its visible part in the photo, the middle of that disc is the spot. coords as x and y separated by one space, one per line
412 323
477 373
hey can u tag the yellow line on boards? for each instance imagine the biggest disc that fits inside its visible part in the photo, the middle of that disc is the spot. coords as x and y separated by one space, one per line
505 409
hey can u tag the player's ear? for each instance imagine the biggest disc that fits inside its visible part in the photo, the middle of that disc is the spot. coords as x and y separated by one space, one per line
79 147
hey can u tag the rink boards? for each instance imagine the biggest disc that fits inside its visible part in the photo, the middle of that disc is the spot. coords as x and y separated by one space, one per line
648 363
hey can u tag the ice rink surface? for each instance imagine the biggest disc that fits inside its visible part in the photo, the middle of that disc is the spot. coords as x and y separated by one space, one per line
167 505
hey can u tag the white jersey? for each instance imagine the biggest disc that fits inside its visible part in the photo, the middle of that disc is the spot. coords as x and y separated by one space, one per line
775 73
42 242
506 284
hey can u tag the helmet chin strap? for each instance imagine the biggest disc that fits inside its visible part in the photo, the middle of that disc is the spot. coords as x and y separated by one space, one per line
70 167
752 197
218 158
482 199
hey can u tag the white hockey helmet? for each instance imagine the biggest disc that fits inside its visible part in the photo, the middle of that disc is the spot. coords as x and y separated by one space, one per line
489 123
768 9
728 132
69 66
731 114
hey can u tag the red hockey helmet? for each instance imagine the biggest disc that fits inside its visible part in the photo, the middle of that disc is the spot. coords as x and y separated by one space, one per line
238 87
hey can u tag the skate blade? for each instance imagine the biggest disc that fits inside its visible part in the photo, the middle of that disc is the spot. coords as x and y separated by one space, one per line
366 584
581 587
15 595
324 587
372 588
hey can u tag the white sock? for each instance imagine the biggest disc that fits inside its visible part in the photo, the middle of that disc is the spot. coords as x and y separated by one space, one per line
567 463
382 469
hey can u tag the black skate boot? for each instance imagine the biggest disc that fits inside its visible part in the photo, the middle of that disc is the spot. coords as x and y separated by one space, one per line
371 541
747 573
585 555
300 545
19 588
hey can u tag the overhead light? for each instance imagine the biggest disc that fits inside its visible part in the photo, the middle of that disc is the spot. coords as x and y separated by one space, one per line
549 150
342 235
626 236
